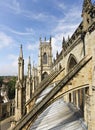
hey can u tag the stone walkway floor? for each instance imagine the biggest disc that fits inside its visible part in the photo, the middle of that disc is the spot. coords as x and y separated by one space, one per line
59 116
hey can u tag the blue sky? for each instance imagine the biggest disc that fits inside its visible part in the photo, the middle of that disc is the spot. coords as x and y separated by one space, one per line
24 21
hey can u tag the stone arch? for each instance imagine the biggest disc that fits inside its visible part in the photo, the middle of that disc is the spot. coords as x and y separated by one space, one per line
72 61
45 58
60 66
44 75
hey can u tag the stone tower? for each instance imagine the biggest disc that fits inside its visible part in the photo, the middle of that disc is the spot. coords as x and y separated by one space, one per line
86 14
45 58
29 82
20 89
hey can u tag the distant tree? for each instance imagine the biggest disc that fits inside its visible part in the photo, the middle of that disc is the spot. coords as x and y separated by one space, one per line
1 80
11 88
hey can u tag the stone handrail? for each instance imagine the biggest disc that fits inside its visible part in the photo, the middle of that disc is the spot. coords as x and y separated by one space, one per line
43 104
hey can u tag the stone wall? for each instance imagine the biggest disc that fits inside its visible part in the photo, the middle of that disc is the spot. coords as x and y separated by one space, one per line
6 109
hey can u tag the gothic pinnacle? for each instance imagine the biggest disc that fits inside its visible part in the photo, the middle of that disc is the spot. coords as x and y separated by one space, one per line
63 42
63 39
40 39
29 61
21 52
68 38
56 54
87 2
86 5
50 39
45 38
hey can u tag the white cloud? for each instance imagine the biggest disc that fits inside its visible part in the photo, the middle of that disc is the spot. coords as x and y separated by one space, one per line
11 67
5 40
31 46
40 16
61 5
73 14
70 21
7 70
65 27
12 57
56 44
14 5
28 32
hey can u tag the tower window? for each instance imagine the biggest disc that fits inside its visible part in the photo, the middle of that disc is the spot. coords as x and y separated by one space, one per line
45 58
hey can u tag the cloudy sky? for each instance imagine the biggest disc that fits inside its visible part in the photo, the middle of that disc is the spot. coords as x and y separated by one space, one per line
24 21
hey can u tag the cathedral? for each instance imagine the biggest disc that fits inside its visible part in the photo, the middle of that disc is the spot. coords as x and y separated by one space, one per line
72 75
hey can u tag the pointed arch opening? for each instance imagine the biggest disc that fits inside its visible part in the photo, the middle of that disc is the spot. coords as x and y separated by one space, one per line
72 61
60 66
44 75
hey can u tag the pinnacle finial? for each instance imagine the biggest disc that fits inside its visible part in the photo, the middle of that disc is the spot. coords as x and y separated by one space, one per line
68 38
21 52
63 42
50 39
56 54
33 64
40 39
45 38
86 4
29 61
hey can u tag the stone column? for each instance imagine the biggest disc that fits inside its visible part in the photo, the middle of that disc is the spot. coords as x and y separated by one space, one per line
66 98
91 120
77 99
71 97
0 110
74 98
85 106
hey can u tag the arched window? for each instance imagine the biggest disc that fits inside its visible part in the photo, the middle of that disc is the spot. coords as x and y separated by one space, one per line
71 62
45 58
44 75
60 67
